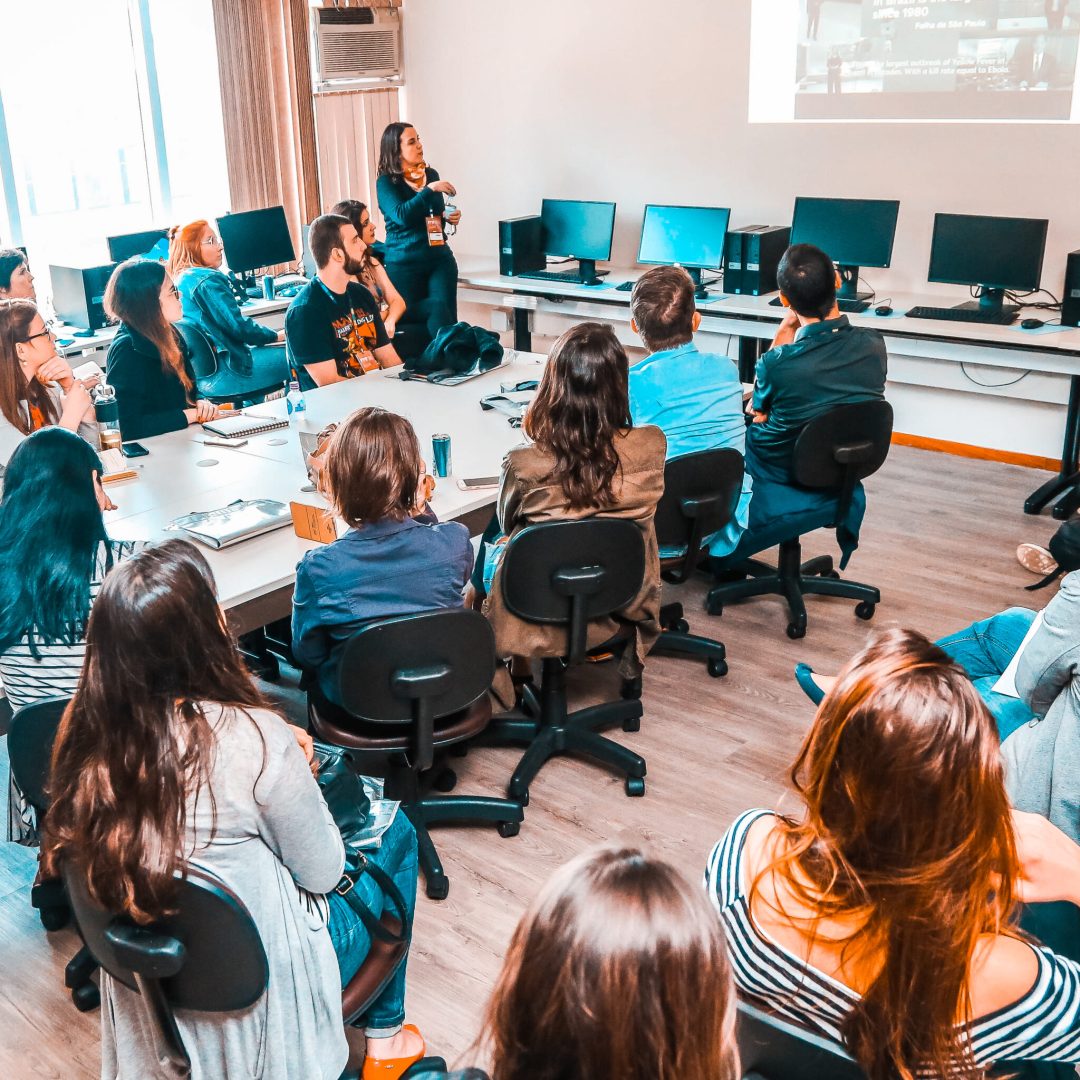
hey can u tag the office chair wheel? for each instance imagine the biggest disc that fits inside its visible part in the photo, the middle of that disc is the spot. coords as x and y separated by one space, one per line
631 691
509 828
55 918
714 607
444 780
635 786
865 610
523 798
86 997
835 574
438 888
717 668
796 630
633 724
680 626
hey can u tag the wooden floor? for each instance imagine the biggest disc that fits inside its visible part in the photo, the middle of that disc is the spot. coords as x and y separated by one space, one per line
939 542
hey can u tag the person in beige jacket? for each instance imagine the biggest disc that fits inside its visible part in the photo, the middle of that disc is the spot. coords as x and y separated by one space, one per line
585 460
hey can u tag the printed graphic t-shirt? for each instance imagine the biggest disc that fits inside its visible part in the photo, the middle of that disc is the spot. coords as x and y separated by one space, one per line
344 327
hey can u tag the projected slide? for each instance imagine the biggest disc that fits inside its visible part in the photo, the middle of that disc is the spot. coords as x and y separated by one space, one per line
990 60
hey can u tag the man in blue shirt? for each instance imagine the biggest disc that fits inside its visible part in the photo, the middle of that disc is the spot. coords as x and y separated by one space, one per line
695 398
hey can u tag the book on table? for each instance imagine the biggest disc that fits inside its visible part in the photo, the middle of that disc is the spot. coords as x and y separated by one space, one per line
240 520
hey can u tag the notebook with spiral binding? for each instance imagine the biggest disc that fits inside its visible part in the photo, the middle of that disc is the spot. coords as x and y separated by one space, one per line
242 425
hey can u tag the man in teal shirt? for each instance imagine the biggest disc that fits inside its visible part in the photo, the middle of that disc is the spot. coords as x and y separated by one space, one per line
695 398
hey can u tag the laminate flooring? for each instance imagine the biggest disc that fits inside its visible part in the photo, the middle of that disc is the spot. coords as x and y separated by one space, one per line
939 542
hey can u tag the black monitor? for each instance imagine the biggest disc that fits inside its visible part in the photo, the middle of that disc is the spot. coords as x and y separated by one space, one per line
852 232
994 253
578 230
128 245
690 236
253 239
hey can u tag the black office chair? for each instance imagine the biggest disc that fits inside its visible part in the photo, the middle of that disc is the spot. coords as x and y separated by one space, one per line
30 742
207 956
772 1047
566 573
834 452
701 494
215 382
412 685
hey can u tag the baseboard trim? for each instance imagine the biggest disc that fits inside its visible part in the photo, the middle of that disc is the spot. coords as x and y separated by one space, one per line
982 453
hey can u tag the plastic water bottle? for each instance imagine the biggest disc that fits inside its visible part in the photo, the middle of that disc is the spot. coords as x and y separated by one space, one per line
294 400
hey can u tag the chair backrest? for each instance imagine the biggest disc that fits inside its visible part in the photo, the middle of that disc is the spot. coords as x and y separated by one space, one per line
701 494
203 357
771 1047
417 668
842 447
30 742
569 572
208 955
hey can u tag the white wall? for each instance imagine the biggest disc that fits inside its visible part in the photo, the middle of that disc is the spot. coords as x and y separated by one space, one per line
640 100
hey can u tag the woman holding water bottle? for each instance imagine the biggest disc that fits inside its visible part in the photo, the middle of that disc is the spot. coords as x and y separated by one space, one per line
412 200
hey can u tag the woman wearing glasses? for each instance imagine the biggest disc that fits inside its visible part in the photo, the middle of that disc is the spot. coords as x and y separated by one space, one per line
148 360
37 387
250 351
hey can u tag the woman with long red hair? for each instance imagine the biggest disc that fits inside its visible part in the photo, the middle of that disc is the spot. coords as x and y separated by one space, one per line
883 916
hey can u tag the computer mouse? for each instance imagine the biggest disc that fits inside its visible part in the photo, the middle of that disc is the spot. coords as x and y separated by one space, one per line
1032 324
883 309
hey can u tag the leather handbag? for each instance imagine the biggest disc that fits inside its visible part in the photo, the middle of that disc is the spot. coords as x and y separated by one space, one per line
350 808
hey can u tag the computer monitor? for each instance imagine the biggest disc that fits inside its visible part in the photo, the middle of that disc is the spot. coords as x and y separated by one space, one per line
994 253
852 232
128 245
578 230
690 236
253 239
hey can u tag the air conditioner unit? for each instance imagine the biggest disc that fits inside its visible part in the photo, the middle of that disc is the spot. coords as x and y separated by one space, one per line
356 43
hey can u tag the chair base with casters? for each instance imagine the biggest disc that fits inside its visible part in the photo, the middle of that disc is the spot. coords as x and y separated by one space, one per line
794 579
675 638
403 782
545 726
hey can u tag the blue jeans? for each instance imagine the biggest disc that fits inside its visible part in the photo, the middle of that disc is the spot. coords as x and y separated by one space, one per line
352 942
984 650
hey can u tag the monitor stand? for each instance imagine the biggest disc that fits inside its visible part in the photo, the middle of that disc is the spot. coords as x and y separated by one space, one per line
700 292
990 300
849 284
587 274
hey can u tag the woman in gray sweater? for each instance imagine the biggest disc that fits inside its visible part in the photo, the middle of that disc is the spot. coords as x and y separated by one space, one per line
169 746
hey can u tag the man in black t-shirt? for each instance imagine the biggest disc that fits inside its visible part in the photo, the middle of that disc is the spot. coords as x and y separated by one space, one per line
333 328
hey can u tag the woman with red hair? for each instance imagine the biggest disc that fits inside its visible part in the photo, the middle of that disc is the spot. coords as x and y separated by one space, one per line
250 351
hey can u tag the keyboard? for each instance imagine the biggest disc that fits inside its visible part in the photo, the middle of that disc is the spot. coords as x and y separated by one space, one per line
970 315
853 307
626 286
571 277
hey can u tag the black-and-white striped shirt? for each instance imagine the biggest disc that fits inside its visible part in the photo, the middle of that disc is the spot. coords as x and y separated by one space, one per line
1042 1025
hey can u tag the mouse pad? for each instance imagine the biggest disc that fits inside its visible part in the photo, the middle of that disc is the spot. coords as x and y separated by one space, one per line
1050 328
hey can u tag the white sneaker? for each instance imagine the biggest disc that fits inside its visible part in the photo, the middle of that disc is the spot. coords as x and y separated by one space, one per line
1035 559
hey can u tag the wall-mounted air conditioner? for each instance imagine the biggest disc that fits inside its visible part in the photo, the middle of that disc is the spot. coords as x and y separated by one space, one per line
356 43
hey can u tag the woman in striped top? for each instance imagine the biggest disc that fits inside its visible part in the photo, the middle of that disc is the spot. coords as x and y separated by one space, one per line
54 554
884 918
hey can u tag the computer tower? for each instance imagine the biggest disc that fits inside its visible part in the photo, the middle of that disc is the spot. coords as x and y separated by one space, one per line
520 246
753 254
78 292
1070 295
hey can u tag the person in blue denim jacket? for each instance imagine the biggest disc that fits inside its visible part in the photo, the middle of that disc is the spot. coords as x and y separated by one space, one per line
397 558
250 351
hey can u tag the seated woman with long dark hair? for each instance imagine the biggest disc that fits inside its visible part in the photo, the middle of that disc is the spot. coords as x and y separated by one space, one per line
148 361
617 971
586 460
882 916
37 386
50 574
169 756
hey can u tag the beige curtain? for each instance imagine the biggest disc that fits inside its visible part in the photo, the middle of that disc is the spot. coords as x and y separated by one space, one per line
266 92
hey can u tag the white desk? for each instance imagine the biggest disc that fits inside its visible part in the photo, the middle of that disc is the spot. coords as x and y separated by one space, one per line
255 577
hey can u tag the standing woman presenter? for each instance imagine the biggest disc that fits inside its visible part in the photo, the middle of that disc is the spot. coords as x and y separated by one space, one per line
418 258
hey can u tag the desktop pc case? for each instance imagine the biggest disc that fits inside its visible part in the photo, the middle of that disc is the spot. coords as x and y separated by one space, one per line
78 292
1070 298
751 256
520 246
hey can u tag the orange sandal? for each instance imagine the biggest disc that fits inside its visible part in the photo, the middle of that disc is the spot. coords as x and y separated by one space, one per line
392 1068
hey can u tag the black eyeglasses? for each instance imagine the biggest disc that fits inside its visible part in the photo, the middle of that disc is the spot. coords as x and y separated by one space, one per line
47 332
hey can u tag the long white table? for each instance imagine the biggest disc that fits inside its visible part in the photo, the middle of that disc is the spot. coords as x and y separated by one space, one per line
255 578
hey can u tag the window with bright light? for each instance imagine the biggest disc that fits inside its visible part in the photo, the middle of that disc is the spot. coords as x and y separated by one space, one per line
113 123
